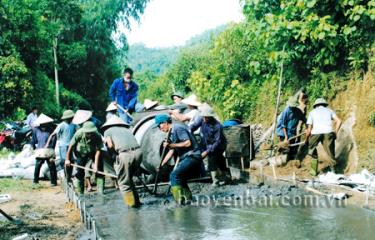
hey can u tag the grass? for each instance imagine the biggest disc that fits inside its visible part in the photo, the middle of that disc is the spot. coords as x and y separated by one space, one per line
17 185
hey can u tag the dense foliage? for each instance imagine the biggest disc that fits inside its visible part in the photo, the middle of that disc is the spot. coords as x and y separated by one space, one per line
316 42
88 56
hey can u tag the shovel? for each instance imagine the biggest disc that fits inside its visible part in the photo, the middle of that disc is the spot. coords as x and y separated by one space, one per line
164 152
92 170
15 221
287 145
123 109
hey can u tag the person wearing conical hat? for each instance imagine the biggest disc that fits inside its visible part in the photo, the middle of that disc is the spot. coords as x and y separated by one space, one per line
64 133
39 140
86 145
287 124
213 144
190 117
111 111
320 130
128 157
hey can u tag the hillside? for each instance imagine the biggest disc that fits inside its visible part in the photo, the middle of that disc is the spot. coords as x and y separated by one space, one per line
155 60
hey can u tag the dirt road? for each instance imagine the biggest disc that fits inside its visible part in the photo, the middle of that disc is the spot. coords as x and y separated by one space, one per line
44 211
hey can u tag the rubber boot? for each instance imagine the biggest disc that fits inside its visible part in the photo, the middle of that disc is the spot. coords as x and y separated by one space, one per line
187 193
215 179
100 185
314 167
177 192
131 199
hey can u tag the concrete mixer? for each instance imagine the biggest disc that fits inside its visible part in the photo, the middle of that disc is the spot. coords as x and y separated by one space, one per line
151 141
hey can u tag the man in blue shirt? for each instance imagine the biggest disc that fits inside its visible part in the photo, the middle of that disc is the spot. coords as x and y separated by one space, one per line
185 146
213 143
64 132
288 122
124 92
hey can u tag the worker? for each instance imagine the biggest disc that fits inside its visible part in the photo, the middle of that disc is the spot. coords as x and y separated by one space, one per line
190 117
80 117
128 157
39 140
178 106
30 120
85 144
64 132
111 111
213 144
184 145
124 92
287 125
320 130
177 97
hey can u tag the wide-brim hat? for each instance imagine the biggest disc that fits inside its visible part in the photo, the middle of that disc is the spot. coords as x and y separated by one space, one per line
67 114
293 102
81 116
320 101
192 100
111 107
207 111
178 94
89 127
43 119
114 121
149 103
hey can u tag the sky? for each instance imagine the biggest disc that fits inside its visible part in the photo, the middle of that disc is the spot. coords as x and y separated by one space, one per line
168 23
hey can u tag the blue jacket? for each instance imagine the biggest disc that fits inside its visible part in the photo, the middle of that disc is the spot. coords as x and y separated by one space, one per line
213 139
289 120
125 98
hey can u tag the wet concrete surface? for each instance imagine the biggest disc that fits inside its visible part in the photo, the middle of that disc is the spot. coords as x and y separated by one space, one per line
239 211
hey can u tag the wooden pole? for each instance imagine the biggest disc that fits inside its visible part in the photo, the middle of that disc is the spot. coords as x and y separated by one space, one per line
91 170
277 101
56 71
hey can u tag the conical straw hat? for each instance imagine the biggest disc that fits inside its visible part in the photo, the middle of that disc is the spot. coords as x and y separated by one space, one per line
43 119
149 103
114 121
192 100
111 107
81 116
207 111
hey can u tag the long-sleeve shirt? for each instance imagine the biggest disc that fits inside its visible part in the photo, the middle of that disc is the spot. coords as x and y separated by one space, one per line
31 119
289 120
212 133
125 98
40 138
